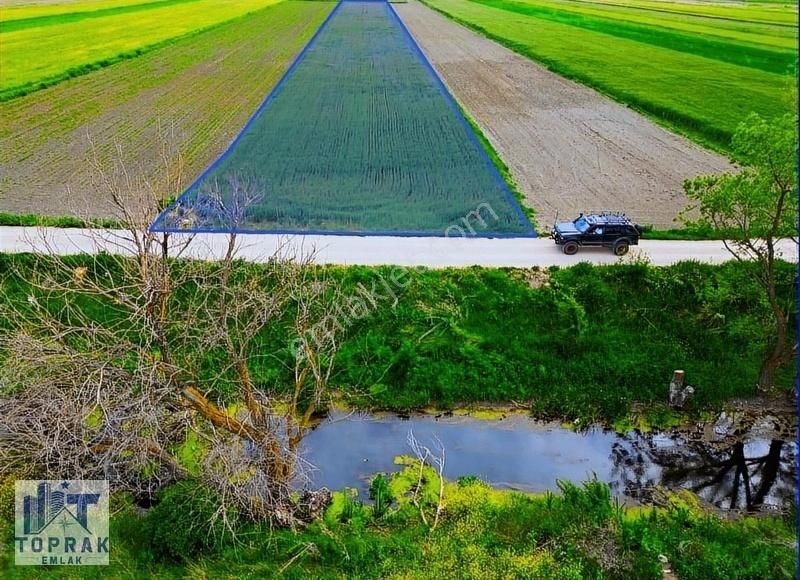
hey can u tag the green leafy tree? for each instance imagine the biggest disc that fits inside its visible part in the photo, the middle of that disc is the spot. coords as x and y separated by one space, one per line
755 208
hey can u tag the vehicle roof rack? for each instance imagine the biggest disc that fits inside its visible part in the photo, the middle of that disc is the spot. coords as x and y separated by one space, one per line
612 217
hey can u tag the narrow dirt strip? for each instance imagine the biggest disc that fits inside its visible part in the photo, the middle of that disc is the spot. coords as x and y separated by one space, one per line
370 250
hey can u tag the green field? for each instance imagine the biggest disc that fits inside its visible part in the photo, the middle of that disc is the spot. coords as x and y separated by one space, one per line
771 25
25 10
700 68
360 137
43 44
185 87
771 11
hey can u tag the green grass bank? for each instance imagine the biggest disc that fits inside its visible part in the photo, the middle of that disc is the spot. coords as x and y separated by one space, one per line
582 342
482 533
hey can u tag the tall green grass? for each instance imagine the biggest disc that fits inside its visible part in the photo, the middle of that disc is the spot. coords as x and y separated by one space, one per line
581 342
580 532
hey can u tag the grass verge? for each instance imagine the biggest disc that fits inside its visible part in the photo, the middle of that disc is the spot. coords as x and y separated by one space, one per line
585 342
33 220
686 234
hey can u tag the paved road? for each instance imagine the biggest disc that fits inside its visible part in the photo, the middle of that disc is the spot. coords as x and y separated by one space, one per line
432 252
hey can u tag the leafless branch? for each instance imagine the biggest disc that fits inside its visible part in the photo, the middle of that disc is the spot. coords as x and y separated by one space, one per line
114 359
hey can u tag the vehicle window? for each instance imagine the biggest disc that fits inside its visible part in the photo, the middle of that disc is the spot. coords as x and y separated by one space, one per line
581 225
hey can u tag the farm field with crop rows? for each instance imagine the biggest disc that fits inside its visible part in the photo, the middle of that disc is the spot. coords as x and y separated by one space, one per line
567 148
45 44
24 12
699 67
360 136
192 96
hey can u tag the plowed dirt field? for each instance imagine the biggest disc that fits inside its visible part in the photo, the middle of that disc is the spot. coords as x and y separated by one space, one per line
568 147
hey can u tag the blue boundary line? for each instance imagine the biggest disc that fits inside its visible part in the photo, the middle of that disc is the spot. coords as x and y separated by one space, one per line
352 233
531 233
454 106
249 122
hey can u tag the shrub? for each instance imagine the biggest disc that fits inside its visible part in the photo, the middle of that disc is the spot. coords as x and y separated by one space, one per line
182 524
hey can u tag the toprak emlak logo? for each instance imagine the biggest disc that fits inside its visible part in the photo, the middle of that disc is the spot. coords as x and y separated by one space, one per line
61 523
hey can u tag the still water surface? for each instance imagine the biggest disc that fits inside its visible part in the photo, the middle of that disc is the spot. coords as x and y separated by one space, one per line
517 452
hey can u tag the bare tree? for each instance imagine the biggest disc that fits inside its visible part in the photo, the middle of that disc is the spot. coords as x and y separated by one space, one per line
114 359
428 458
221 203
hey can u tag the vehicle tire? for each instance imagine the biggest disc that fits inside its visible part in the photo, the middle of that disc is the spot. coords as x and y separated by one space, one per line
621 248
570 248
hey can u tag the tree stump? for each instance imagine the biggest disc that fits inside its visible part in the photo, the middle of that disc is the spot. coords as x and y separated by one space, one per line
679 394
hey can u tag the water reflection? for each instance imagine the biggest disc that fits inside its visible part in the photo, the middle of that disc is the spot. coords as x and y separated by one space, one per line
520 453
750 475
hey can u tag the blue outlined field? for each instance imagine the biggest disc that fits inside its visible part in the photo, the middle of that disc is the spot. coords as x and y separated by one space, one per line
360 136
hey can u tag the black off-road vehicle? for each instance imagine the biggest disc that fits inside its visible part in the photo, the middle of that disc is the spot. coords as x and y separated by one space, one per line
607 229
